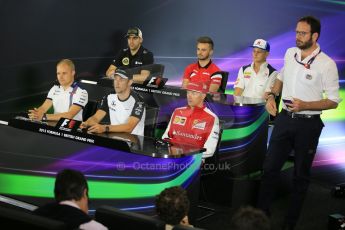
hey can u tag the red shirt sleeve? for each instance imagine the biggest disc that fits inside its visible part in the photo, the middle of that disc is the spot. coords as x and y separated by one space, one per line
188 72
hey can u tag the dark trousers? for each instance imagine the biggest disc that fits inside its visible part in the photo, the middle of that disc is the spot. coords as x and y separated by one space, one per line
302 136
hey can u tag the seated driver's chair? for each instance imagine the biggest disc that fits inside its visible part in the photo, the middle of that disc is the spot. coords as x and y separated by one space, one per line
224 81
151 121
207 172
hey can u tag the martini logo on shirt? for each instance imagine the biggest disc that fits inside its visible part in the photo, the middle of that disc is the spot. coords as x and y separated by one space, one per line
125 61
179 120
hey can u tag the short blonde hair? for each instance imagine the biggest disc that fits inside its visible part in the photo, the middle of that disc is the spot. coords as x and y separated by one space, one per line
67 62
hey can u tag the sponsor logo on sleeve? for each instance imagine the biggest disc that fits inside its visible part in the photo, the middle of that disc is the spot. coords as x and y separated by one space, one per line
139 109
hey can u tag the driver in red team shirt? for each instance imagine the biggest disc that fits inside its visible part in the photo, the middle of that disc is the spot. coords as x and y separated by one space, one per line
194 124
204 70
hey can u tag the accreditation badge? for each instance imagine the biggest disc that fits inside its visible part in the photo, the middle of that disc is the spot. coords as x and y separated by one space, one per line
308 76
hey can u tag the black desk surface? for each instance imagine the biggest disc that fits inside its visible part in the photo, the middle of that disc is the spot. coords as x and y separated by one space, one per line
122 141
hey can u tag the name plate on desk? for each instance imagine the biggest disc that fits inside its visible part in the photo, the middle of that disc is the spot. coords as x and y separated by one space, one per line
62 130
68 125
155 82
171 91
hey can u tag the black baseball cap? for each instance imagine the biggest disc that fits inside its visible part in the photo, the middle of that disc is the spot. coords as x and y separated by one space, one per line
126 74
134 31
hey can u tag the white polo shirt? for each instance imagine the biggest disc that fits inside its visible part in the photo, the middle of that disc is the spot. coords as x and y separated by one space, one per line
64 99
91 225
119 111
309 84
255 84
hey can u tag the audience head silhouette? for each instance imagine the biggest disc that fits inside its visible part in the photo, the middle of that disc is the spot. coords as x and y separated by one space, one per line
249 218
72 185
172 205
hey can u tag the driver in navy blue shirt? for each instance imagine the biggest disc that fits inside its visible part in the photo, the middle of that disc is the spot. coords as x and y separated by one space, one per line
135 55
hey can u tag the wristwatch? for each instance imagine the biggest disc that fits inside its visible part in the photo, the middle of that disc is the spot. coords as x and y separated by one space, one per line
44 117
270 94
107 128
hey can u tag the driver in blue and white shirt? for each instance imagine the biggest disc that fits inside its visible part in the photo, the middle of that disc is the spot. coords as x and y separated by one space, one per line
67 98
255 79
125 108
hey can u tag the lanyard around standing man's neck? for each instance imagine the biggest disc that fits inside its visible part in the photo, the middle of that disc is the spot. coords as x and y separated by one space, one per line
311 60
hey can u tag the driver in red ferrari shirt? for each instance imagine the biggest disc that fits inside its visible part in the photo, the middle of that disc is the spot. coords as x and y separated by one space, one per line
194 124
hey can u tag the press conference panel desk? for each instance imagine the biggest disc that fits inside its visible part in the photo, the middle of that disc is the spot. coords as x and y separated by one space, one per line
124 171
244 122
117 169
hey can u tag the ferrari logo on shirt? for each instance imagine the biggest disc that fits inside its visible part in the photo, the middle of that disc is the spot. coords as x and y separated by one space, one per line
125 61
179 120
197 124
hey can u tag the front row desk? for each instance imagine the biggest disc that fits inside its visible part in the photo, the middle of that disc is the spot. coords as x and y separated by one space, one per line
128 171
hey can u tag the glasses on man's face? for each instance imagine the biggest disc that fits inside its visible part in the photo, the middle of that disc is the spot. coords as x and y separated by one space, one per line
301 33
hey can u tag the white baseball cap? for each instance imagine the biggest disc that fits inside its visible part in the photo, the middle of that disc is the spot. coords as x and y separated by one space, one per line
261 44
